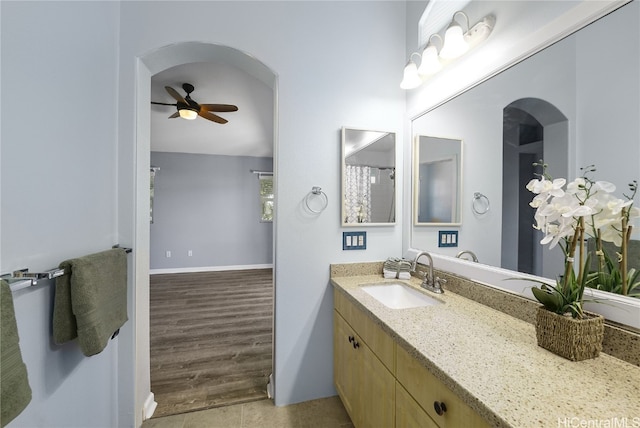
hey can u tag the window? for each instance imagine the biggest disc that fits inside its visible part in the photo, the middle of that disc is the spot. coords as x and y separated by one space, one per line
266 197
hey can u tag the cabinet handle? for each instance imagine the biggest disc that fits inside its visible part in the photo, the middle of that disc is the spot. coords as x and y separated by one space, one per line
355 345
351 339
439 407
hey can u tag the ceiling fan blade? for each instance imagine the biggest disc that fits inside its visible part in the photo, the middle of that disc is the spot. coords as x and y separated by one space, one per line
219 107
212 117
164 104
176 96
174 115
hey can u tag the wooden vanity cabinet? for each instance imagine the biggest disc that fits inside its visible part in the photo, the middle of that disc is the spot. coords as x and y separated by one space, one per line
365 384
381 385
432 398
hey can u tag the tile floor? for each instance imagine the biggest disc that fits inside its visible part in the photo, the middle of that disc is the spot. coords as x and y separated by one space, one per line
322 413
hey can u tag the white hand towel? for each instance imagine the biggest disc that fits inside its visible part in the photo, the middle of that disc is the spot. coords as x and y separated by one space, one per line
389 274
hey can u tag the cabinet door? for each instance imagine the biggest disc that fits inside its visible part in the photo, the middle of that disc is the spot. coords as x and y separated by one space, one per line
346 367
427 390
378 391
409 414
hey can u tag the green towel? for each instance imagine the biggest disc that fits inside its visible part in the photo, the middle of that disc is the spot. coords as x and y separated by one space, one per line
15 392
91 300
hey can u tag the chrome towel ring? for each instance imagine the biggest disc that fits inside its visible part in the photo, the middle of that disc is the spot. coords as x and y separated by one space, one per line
316 193
480 204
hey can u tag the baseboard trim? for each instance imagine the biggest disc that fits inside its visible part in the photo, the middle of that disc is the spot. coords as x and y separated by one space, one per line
149 407
209 269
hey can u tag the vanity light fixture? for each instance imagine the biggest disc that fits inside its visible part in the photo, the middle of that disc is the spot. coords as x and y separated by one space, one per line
456 43
188 113
411 77
430 62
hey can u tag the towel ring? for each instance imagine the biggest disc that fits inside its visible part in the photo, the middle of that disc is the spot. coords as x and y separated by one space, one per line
480 204
316 191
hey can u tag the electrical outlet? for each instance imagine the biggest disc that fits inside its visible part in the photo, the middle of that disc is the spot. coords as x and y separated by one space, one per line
167 254
190 253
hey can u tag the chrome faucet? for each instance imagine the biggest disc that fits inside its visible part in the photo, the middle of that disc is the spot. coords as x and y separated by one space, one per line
429 282
469 252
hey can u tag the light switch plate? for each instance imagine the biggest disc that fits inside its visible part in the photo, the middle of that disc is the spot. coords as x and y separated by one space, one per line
354 240
447 238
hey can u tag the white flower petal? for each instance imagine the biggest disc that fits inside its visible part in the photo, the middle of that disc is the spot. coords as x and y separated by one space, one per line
605 186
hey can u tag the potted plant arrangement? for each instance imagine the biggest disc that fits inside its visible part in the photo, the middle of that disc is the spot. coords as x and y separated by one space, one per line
566 214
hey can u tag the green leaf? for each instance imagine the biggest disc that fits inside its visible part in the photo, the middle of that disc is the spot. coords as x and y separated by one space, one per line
551 300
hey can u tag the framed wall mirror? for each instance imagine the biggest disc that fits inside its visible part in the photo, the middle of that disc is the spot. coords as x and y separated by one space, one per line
560 104
368 177
437 182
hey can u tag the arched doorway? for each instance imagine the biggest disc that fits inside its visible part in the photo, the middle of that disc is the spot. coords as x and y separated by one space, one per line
533 129
149 64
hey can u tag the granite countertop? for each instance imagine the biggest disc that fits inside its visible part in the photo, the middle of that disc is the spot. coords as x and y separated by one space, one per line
492 361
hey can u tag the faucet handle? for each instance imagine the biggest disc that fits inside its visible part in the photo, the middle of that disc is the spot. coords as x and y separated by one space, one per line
439 282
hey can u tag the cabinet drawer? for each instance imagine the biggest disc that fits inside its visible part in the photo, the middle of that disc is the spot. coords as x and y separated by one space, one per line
427 390
376 339
409 414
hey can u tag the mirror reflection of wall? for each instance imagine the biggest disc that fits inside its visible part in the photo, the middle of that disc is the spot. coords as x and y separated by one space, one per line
369 172
594 111
438 180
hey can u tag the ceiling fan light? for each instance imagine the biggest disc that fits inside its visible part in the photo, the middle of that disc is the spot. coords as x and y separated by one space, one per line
188 114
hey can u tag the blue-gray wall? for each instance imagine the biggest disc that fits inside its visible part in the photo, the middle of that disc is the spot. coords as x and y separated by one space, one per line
63 205
210 205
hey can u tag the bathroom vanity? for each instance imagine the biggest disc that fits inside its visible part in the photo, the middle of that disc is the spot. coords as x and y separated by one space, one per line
461 363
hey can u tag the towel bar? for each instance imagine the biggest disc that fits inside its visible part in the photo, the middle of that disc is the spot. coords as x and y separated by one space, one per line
22 278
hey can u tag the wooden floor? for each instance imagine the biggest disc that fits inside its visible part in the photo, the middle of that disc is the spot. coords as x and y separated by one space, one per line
211 337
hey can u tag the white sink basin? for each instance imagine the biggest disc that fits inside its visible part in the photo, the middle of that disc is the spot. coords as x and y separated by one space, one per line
396 295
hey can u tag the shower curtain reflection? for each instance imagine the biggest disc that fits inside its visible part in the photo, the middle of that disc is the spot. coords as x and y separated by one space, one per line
357 194
369 194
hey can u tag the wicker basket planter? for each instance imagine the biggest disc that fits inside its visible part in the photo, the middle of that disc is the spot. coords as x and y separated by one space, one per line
570 338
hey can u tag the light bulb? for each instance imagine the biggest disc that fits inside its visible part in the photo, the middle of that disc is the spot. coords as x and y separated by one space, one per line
454 43
411 78
188 114
430 62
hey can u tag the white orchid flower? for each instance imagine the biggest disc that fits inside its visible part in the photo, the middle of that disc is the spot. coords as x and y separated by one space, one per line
616 205
611 234
579 211
605 186
538 200
542 186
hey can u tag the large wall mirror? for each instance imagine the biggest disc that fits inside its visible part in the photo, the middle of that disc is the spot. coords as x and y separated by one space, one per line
575 103
368 177
437 181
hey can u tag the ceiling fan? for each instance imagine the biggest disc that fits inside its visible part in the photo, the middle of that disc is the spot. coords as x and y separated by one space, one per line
189 109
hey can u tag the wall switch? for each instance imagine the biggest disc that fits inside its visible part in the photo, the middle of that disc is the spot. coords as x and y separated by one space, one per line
190 253
448 238
167 254
354 240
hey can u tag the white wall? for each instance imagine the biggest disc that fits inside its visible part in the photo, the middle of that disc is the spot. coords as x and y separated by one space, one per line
59 103
337 64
